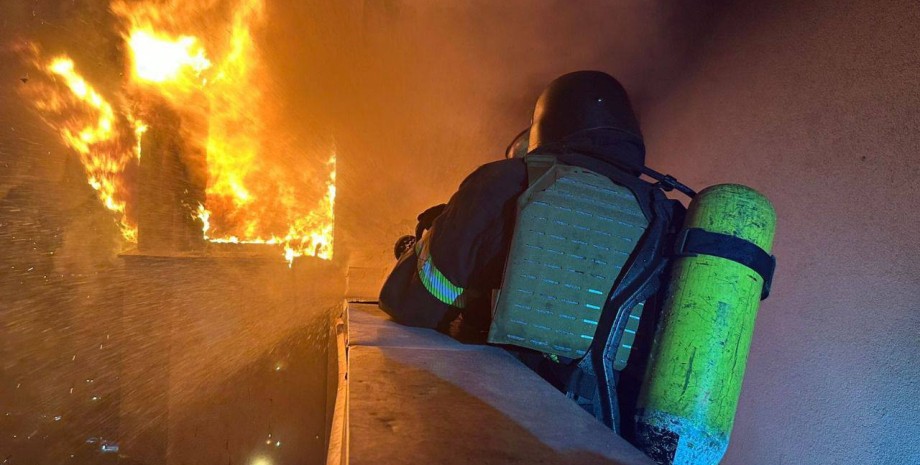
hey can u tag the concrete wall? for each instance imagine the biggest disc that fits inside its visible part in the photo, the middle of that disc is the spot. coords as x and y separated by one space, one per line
817 105
224 359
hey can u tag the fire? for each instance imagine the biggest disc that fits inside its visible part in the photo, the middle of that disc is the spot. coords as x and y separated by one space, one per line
88 124
160 59
303 237
210 74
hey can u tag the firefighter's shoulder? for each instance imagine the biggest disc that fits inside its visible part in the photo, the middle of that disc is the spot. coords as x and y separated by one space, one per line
508 172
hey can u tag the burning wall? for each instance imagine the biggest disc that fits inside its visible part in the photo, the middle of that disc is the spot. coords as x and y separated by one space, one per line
194 75
93 343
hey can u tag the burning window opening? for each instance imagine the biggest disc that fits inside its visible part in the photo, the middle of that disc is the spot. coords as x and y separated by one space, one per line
183 144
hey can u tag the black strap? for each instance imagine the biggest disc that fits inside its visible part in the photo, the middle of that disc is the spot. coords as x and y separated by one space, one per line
695 241
638 279
666 182
582 384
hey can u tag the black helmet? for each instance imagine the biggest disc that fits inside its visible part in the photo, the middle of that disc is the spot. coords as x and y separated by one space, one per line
588 108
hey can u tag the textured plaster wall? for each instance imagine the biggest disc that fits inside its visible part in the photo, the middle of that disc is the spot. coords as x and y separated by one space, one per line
817 105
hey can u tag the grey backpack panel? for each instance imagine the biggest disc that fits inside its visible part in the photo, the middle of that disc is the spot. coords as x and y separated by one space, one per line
574 231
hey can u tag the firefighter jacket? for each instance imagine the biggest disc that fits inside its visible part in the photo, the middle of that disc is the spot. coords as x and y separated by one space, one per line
456 264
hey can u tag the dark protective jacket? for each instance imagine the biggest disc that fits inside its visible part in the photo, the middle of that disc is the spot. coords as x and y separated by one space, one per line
467 246
456 265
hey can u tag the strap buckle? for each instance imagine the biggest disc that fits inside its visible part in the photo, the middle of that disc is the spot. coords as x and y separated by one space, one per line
668 183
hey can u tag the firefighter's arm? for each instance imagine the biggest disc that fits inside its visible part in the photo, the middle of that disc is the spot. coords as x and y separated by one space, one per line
407 300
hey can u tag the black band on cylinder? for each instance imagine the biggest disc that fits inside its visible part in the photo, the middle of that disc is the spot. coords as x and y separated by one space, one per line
694 241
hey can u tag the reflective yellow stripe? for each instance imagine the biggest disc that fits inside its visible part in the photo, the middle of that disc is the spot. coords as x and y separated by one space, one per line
434 281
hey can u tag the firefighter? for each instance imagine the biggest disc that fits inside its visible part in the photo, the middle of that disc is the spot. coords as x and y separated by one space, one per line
451 271
580 248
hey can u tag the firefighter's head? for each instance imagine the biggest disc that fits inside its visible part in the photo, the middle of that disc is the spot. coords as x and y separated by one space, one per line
588 109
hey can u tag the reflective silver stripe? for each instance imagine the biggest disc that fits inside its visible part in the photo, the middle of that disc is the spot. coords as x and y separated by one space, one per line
434 281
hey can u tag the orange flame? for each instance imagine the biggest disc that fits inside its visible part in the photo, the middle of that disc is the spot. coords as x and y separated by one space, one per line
89 125
165 59
213 73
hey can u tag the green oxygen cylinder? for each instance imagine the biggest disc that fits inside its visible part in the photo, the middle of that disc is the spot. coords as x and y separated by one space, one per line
688 400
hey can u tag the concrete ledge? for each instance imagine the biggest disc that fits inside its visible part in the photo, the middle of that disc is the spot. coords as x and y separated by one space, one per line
337 449
417 396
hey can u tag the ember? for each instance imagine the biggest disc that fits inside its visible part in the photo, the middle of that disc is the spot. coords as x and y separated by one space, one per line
211 76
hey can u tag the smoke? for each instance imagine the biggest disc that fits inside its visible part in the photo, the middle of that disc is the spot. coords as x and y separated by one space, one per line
418 94
412 95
